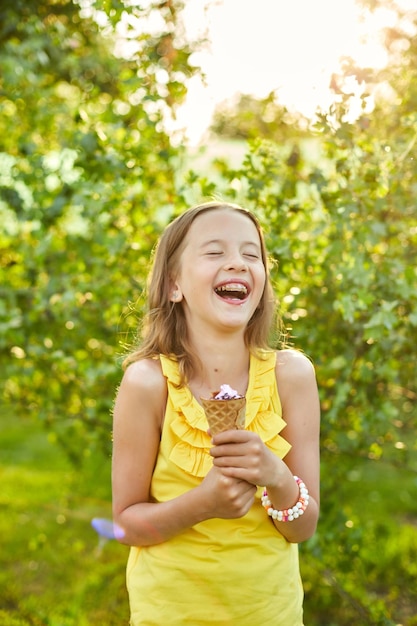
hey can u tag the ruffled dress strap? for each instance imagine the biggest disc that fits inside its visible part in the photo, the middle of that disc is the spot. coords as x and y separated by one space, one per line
264 410
185 425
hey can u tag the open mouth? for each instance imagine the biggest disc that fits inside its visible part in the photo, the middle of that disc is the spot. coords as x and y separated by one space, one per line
232 291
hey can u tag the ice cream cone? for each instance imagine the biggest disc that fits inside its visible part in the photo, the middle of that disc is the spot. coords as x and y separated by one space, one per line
225 414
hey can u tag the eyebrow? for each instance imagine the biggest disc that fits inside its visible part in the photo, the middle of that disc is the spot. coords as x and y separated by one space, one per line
222 241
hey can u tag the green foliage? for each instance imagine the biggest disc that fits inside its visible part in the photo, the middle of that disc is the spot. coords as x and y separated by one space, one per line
86 182
246 117
89 177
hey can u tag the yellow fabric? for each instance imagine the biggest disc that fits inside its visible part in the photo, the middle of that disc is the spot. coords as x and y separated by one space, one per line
222 572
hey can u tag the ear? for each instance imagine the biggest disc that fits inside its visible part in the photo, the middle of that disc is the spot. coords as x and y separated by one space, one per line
175 294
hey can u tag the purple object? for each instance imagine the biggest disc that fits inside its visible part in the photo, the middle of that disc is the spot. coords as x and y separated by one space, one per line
106 528
227 393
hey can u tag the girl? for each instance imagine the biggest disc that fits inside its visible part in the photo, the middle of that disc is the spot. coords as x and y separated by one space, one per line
207 545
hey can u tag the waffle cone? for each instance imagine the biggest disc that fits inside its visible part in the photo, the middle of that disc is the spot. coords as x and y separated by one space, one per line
225 414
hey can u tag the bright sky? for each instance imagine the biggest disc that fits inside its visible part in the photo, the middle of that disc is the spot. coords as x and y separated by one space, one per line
292 46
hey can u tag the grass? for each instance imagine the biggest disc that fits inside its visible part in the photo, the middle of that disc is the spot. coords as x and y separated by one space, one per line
366 565
54 572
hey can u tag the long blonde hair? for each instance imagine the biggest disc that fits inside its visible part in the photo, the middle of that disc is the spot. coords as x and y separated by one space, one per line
164 329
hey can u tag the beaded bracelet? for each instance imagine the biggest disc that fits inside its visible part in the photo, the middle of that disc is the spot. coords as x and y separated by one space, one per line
288 515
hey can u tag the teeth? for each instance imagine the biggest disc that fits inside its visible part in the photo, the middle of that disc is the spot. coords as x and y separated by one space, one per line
233 287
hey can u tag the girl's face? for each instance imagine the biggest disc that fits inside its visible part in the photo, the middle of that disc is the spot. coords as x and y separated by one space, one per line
221 275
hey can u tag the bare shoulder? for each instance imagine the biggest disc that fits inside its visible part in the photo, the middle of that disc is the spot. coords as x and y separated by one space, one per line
298 391
143 390
291 362
293 367
144 376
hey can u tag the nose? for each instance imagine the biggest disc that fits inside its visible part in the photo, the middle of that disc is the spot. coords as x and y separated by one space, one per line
235 262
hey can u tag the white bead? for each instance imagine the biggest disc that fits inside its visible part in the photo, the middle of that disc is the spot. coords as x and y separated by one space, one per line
292 513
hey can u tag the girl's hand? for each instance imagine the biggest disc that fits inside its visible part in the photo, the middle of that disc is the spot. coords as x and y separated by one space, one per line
224 496
242 454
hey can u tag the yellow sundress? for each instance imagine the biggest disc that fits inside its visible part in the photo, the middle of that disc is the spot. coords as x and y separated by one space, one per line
220 571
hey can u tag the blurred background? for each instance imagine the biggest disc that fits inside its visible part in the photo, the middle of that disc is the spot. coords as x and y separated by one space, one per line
115 116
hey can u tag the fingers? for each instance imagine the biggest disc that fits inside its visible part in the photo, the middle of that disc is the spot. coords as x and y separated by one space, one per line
244 450
227 497
235 443
238 496
243 455
232 436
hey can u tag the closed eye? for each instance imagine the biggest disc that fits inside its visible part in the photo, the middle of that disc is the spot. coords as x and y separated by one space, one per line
251 255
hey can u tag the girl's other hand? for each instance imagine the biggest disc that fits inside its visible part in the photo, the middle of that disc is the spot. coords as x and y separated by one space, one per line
225 496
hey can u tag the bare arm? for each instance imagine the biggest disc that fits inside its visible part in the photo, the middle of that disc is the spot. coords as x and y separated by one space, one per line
138 417
301 411
251 460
